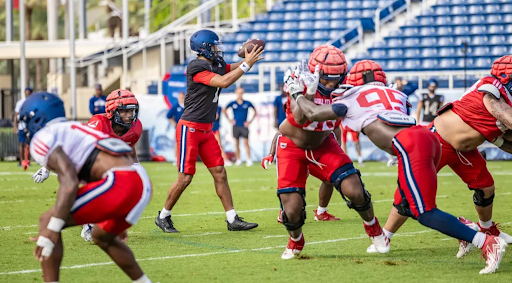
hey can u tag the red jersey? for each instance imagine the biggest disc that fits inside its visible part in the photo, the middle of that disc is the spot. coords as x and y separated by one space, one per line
100 123
471 109
314 126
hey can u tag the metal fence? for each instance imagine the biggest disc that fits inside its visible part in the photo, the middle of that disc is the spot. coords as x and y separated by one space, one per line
8 99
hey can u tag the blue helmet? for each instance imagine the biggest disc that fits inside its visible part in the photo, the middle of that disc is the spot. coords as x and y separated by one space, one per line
39 109
207 44
432 81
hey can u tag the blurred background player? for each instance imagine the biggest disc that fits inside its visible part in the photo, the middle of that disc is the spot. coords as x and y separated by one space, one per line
19 128
207 75
355 140
97 102
115 191
174 115
216 133
429 103
279 102
241 124
385 121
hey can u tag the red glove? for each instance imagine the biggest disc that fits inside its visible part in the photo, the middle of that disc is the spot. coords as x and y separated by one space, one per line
267 161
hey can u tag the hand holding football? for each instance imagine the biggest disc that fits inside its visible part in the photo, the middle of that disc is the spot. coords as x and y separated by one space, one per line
250 45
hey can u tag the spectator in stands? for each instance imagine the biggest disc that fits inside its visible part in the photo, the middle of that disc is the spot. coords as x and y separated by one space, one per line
406 87
279 102
240 123
175 112
19 126
429 102
97 102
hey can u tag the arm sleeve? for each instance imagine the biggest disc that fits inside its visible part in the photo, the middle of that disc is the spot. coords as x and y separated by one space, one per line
250 105
170 113
203 77
230 105
228 68
42 145
91 106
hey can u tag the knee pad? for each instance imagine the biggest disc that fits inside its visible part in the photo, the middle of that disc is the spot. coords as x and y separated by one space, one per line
360 207
296 225
478 198
342 173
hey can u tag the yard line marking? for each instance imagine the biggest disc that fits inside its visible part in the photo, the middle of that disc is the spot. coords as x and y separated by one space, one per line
447 239
12 201
204 234
207 254
276 236
19 226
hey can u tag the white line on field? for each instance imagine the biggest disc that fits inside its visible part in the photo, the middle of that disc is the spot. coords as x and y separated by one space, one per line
276 236
204 234
19 226
445 239
207 254
12 201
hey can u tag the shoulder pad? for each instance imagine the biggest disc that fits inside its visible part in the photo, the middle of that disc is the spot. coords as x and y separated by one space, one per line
490 89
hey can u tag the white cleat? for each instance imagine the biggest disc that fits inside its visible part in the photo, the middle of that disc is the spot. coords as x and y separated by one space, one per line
293 248
228 163
506 237
493 251
86 232
249 163
238 162
380 242
290 253
466 247
360 161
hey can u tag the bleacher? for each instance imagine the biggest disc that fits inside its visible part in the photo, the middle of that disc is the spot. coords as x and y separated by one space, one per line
434 40
293 28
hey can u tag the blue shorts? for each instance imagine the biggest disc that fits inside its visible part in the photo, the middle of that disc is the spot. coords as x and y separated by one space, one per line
22 136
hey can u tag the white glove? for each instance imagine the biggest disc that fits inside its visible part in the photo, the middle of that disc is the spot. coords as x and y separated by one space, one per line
42 174
310 80
293 84
46 244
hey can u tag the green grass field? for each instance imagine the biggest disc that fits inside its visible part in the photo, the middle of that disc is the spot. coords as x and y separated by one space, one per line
205 251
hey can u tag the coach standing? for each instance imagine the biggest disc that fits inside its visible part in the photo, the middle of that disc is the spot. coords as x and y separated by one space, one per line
98 101
240 123
207 75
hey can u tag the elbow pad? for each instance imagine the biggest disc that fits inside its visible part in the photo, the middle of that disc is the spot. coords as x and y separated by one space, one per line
340 109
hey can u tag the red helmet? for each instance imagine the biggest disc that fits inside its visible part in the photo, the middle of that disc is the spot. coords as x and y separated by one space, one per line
333 65
124 100
366 71
502 69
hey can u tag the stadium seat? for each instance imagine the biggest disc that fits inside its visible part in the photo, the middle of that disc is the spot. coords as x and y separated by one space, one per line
499 51
443 31
337 24
446 52
303 55
429 64
321 34
445 41
395 53
276 16
429 52
412 53
289 35
292 6
377 53
273 36
480 51
241 37
321 24
290 16
496 29
305 45
412 64
305 34
337 14
320 15
288 56
307 15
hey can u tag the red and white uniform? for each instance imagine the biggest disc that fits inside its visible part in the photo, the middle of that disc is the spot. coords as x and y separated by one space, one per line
470 166
345 132
101 123
416 148
294 163
117 201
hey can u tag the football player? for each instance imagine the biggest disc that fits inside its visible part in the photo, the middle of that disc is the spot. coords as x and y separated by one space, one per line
355 140
114 195
380 113
483 113
306 146
207 75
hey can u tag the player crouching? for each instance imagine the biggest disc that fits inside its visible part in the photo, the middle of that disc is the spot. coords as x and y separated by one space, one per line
114 195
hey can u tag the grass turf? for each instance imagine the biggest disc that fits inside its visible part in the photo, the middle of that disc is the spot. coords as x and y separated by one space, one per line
205 251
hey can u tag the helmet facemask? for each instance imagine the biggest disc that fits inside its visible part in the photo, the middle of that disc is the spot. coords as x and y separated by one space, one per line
126 115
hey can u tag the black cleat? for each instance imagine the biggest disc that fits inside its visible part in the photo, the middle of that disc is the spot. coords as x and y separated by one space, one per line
240 225
166 224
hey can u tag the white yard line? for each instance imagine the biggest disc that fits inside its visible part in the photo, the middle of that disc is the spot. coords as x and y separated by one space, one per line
11 201
203 234
276 236
207 254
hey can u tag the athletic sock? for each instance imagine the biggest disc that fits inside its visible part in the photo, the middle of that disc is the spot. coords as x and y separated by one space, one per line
485 224
231 214
387 233
370 223
296 239
142 279
321 210
447 224
479 240
164 213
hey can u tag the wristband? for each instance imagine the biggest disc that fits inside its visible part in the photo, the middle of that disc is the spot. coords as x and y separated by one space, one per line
245 68
296 95
56 224
498 141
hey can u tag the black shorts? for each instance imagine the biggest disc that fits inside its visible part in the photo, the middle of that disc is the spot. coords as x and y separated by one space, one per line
239 132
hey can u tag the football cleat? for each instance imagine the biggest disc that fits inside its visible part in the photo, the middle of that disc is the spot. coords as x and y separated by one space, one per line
360 161
493 250
280 217
240 225
380 242
325 217
86 232
495 231
466 247
238 162
293 248
165 224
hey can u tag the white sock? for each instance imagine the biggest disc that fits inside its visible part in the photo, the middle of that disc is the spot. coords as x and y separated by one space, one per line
370 223
231 214
142 279
296 239
387 233
486 224
164 213
479 240
321 210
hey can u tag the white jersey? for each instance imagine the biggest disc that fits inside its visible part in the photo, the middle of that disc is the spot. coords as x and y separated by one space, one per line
77 142
366 103
21 124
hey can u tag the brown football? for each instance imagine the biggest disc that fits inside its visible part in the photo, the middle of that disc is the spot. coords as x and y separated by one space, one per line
250 44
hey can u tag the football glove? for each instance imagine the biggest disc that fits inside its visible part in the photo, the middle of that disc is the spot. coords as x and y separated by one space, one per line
310 80
293 84
42 174
267 161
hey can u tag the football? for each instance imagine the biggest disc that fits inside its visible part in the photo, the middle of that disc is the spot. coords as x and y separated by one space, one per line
250 44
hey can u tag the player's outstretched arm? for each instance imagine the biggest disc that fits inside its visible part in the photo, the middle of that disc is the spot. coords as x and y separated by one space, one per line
321 113
499 109
228 79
